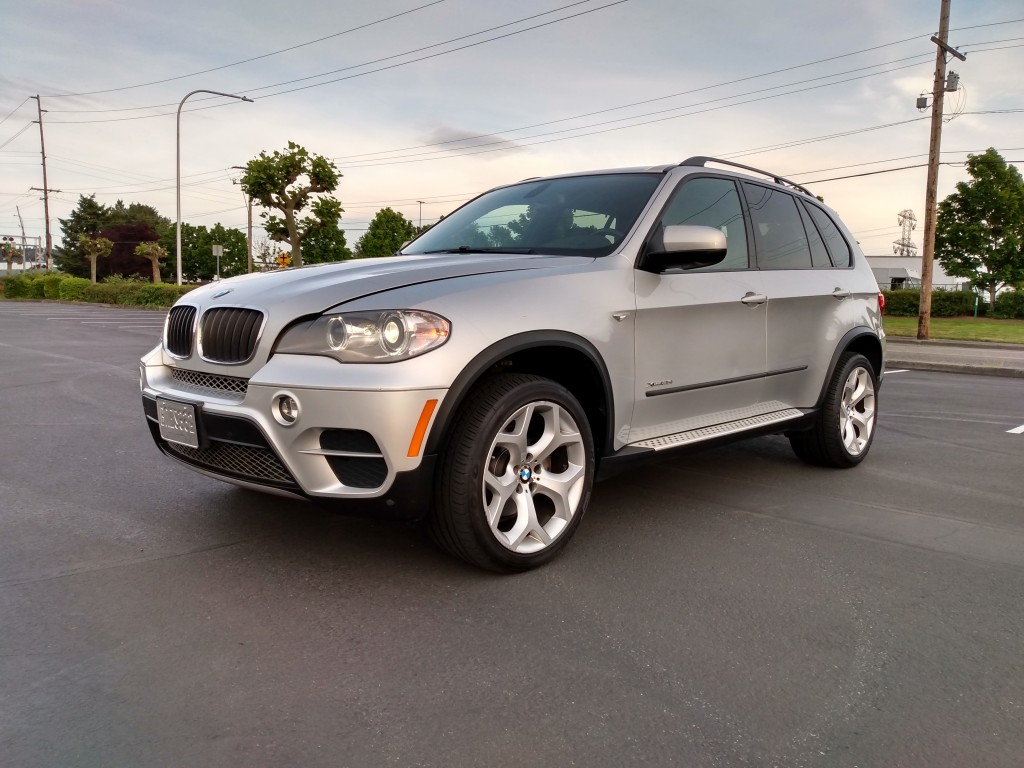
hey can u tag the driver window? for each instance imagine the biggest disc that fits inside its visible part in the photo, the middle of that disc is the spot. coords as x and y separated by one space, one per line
714 203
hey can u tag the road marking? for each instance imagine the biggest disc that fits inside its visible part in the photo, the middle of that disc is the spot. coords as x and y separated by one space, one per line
1016 430
898 370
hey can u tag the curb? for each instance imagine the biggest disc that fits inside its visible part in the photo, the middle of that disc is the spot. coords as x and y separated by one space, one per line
897 340
981 370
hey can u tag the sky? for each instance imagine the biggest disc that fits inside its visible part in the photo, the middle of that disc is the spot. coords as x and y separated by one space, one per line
422 104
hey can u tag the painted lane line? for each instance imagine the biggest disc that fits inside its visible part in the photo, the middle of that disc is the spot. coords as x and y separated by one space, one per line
897 370
1016 430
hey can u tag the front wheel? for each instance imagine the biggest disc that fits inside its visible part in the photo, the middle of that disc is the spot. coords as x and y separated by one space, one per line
516 476
845 428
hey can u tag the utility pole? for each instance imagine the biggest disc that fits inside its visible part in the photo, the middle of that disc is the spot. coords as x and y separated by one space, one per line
421 213
924 316
46 188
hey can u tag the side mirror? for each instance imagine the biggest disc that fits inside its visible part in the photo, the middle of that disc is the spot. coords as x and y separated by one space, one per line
683 246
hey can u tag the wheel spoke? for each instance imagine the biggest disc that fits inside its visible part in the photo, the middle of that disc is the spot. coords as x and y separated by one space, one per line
526 525
558 431
502 488
561 489
514 438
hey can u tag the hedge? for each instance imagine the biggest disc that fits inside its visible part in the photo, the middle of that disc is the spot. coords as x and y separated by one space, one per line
906 303
39 285
1009 305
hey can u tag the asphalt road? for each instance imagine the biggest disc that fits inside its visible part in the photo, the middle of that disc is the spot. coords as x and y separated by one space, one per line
729 608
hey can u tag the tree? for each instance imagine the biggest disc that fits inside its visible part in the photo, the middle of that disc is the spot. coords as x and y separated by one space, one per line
94 249
10 254
197 260
325 244
124 225
979 231
153 252
289 182
385 235
88 218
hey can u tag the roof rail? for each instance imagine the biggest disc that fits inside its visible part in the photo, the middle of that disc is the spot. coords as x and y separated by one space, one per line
701 161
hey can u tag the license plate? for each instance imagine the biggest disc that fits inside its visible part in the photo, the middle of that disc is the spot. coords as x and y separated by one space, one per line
177 422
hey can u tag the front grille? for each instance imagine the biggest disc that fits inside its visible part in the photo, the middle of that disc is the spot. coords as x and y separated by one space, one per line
181 323
242 461
229 334
230 387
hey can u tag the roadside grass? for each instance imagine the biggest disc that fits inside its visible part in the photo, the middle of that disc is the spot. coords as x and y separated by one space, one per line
960 329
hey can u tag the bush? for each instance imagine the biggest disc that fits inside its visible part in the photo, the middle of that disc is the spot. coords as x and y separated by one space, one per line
101 293
18 287
51 285
73 288
1009 305
119 290
906 302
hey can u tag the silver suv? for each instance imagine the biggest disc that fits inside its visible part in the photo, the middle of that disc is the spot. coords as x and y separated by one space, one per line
542 333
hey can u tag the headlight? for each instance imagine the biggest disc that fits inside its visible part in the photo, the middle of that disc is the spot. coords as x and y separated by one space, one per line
380 336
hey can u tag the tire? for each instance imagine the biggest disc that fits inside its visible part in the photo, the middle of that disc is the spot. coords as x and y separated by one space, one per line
515 476
845 427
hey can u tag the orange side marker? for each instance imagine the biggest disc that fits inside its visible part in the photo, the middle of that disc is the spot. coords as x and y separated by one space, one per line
421 428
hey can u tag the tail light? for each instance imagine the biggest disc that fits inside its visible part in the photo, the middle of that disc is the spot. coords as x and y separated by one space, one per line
881 302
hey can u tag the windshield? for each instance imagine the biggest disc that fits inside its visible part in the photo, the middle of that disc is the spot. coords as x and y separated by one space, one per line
579 215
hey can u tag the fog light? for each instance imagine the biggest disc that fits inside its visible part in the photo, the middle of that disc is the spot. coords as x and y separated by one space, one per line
286 409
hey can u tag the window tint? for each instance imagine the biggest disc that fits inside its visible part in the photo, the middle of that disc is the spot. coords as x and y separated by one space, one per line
781 240
714 203
837 246
819 255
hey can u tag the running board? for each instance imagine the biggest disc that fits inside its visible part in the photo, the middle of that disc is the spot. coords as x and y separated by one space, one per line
718 430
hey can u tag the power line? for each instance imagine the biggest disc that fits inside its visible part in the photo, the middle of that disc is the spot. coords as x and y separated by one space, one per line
23 129
379 69
246 61
15 109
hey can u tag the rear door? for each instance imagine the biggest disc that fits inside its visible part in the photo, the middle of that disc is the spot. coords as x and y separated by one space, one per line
807 279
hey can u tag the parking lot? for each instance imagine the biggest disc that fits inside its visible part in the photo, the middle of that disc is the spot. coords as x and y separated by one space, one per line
734 607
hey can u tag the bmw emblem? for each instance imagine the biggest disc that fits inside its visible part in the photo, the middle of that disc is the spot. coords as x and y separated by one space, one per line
225 292
525 475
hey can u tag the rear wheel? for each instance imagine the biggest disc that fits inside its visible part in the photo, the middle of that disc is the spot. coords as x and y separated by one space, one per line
845 428
516 475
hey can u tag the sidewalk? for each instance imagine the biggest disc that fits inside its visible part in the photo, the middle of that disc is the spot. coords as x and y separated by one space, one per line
955 356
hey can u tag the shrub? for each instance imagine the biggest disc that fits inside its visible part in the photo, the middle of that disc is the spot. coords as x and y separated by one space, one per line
1009 305
906 302
73 288
101 293
35 288
51 285
17 287
902 303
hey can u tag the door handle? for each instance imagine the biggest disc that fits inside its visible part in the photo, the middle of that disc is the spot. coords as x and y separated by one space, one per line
840 294
752 299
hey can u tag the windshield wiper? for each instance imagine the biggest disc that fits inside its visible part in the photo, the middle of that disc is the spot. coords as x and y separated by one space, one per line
470 249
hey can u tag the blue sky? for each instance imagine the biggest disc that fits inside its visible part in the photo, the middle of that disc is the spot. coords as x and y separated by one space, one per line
429 106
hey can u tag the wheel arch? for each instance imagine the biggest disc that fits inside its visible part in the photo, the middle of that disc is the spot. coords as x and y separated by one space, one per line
565 358
864 341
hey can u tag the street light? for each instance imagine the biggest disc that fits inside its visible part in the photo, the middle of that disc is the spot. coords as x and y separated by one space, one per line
248 206
177 183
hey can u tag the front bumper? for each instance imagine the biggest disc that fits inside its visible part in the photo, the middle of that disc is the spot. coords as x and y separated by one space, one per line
359 447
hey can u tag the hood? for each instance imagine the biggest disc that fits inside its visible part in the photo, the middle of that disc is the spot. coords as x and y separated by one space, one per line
317 288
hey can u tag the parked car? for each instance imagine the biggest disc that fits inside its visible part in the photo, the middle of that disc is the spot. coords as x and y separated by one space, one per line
543 333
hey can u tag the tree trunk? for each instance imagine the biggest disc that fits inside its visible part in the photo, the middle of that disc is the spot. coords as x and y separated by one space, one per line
10 267
992 295
92 267
293 236
156 269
